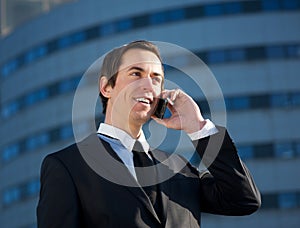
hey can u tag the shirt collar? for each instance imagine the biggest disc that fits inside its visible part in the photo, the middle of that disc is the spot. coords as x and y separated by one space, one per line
123 136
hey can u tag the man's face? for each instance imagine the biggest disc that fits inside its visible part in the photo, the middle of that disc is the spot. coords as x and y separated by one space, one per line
138 85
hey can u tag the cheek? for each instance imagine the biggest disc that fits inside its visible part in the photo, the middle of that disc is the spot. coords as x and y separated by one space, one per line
157 90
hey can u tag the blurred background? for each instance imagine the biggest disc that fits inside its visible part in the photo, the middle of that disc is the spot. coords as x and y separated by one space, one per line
252 48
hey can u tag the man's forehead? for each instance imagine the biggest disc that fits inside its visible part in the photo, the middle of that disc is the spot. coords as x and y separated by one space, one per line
140 58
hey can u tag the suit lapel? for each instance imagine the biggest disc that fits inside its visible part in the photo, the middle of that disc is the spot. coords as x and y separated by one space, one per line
99 155
164 186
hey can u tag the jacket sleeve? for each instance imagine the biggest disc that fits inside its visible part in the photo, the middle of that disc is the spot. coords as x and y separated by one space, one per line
58 202
228 187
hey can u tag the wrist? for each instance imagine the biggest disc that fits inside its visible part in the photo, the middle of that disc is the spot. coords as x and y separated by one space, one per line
198 126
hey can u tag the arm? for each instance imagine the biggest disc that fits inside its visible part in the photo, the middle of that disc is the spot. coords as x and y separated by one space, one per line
228 187
58 203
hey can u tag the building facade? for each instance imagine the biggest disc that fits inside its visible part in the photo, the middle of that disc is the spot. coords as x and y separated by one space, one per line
251 47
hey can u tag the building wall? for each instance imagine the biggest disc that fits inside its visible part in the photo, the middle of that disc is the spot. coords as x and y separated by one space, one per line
251 47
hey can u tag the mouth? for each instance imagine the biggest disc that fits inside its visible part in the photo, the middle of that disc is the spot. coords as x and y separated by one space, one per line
144 100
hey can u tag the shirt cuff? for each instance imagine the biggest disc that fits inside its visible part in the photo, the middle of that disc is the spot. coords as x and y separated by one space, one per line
208 129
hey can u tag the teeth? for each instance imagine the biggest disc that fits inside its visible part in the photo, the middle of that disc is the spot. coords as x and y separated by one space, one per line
144 100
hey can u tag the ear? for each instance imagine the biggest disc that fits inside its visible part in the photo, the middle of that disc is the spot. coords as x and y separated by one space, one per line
104 87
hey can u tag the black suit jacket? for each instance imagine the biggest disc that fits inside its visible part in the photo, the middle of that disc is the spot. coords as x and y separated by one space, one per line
73 194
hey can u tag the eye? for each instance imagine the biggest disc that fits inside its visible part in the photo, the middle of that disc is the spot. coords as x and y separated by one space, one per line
136 73
157 79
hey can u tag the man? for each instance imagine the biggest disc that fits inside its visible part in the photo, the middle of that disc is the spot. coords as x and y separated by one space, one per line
99 182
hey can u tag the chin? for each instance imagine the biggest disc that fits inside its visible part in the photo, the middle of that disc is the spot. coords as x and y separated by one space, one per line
142 117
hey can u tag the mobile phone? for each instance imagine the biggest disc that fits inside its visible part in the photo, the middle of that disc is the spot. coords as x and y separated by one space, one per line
161 108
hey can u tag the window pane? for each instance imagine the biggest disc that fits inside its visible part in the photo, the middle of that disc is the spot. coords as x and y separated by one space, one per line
216 56
64 42
275 52
269 201
255 53
236 55
108 29
293 51
291 4
37 141
175 15
270 5
237 103
280 100
32 188
287 200
78 37
233 7
158 18
295 99
246 152
213 10
260 101
194 12
66 132
264 151
10 152
125 24
284 150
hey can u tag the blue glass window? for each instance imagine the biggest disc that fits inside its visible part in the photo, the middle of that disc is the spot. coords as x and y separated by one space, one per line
291 4
64 42
275 52
158 18
269 201
125 24
37 141
10 67
232 7
11 195
287 200
10 152
68 85
237 103
213 10
78 37
177 14
246 152
216 56
260 101
280 100
270 5
264 150
284 150
66 132
10 109
237 54
108 29
256 53
36 96
297 149
293 51
295 99
194 12
32 188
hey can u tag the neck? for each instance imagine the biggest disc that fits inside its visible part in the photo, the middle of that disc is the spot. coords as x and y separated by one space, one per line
133 130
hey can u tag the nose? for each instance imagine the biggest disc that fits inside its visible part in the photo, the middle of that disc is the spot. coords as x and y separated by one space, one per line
146 84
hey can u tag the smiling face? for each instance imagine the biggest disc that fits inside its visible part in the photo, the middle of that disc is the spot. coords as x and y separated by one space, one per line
132 100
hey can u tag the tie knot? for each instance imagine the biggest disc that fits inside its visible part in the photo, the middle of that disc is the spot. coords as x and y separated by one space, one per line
138 146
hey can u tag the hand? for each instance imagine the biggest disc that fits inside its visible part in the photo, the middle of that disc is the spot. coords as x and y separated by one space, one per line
185 112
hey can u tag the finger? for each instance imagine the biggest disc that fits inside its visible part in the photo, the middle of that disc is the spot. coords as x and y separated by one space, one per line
159 121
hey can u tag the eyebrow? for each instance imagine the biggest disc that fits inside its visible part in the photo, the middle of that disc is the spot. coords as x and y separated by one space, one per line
142 70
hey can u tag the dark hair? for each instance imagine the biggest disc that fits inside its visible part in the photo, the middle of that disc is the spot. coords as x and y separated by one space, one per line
113 60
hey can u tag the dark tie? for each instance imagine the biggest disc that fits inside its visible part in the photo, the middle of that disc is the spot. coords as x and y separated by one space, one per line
145 171
147 176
